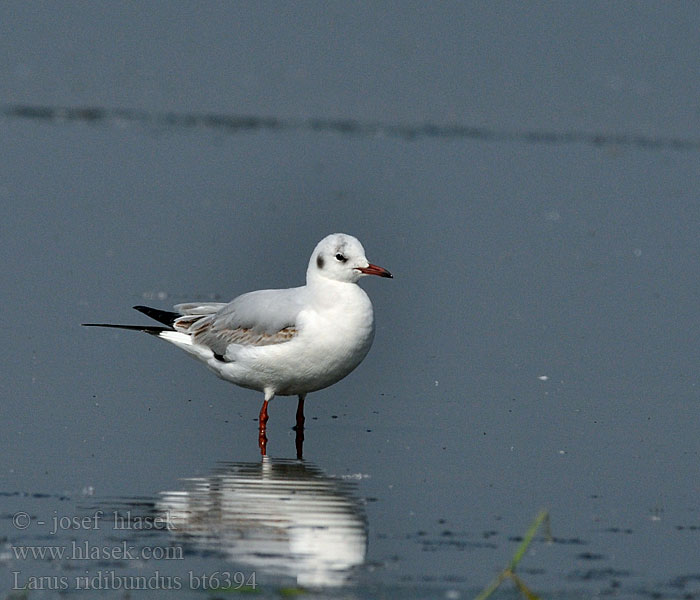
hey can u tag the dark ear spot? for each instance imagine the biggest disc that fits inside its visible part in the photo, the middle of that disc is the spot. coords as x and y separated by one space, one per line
319 261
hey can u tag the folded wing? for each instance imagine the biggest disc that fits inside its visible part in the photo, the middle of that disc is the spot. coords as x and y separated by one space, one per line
258 318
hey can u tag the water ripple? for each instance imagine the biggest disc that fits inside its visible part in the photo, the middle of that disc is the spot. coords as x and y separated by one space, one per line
232 124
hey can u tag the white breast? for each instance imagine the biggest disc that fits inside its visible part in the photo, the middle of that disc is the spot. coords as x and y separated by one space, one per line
335 334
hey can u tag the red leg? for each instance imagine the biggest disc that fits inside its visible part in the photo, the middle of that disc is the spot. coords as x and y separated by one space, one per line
263 413
262 428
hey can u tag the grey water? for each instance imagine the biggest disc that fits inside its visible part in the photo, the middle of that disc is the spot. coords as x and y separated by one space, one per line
529 174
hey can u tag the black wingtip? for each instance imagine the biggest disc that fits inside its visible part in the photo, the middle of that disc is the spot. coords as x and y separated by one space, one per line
145 328
162 316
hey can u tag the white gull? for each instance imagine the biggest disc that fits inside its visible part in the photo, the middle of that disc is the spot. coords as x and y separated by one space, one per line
282 342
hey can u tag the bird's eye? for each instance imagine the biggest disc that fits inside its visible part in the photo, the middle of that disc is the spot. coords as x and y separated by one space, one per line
340 257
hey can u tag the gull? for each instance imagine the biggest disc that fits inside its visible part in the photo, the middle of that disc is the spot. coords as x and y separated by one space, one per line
281 342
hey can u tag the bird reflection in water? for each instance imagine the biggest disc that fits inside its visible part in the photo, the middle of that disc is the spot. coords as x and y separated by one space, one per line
281 517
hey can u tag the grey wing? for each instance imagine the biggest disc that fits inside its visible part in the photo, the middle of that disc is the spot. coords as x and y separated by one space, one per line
255 319
199 308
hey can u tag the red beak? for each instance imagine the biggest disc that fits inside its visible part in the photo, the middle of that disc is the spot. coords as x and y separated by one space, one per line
375 270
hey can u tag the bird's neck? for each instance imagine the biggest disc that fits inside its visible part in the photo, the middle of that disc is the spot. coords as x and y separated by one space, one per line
331 293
